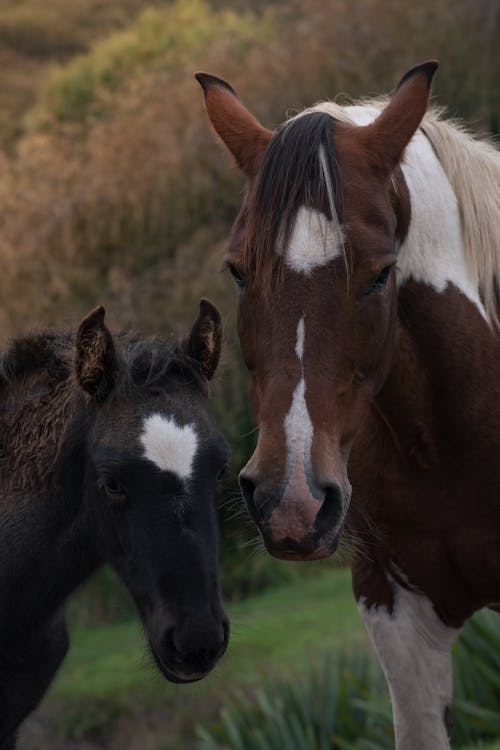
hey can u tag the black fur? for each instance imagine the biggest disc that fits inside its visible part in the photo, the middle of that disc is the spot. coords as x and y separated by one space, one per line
76 491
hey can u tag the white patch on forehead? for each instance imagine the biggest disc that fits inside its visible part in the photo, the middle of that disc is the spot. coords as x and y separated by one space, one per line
299 344
314 241
169 446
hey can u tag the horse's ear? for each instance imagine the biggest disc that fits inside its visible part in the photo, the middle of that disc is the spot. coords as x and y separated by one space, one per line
95 358
393 129
204 341
243 135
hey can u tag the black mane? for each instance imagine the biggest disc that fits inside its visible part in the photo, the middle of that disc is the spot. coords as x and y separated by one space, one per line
154 363
150 362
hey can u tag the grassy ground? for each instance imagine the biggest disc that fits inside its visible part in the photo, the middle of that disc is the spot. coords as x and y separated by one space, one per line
108 678
109 696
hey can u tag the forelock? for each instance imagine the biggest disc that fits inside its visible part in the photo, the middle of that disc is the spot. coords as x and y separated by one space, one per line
299 169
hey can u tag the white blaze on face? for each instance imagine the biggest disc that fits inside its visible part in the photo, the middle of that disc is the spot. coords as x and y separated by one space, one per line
314 241
298 426
299 345
169 446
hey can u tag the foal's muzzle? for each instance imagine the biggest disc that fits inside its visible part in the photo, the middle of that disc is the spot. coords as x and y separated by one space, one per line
188 652
299 523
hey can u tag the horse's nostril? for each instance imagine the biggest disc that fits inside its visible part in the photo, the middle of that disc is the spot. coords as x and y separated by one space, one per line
330 512
247 487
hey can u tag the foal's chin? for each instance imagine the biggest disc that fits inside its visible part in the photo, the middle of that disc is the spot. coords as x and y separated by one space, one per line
176 676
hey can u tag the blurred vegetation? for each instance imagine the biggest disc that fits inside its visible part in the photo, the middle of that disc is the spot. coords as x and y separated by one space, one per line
322 678
113 191
344 704
34 35
108 683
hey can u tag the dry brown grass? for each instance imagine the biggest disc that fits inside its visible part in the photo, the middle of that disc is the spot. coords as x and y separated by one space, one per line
130 205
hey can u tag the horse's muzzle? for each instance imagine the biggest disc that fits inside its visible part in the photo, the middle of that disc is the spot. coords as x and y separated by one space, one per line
298 525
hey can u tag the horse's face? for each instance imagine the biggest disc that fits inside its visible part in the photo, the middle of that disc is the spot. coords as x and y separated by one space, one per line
313 254
154 460
317 350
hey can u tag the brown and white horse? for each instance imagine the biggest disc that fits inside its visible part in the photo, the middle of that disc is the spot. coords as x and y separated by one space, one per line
367 257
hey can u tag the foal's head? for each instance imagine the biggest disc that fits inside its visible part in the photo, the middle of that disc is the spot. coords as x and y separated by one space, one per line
153 460
313 254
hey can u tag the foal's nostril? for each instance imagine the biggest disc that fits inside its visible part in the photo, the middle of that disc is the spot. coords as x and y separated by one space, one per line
169 643
193 649
330 512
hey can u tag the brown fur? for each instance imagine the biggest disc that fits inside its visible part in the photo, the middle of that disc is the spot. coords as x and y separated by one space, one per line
407 383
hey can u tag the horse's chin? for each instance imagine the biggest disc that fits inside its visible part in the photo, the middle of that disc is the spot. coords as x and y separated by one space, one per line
177 677
288 550
318 554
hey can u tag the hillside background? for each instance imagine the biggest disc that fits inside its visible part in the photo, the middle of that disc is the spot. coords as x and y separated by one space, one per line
112 190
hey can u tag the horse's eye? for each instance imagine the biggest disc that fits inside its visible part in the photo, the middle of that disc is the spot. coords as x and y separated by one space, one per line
381 280
238 278
114 490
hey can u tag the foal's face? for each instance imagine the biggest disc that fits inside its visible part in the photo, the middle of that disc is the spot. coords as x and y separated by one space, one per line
156 465
154 461
313 255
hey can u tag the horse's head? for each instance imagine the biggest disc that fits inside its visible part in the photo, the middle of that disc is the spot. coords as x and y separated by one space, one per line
154 458
313 254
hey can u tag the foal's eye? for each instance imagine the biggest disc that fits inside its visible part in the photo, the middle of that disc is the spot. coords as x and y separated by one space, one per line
238 278
114 490
381 280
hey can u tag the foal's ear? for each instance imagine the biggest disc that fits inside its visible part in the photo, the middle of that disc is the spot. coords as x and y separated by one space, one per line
95 358
243 135
393 129
204 341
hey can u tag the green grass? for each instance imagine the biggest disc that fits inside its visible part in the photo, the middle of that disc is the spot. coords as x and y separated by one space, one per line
108 674
282 632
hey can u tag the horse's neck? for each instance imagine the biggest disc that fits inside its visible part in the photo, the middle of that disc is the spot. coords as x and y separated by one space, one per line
443 389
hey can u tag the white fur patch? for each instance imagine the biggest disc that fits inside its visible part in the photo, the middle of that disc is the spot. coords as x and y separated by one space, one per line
169 446
414 648
299 433
298 425
314 241
433 251
299 344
